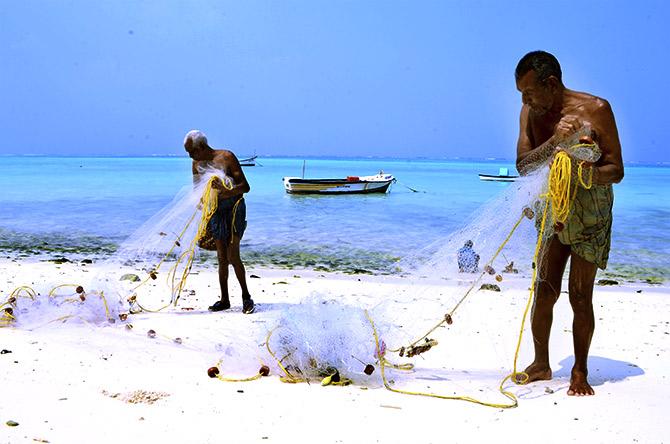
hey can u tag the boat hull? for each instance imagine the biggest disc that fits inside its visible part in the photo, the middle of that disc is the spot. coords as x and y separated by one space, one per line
494 178
294 185
248 162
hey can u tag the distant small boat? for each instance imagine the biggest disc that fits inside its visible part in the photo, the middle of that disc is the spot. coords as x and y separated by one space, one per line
503 176
248 162
380 183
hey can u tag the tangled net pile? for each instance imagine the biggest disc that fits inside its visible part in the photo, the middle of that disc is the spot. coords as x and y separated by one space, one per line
65 303
321 339
164 247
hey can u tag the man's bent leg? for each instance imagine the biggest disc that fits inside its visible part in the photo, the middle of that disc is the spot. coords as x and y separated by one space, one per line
547 291
240 273
222 256
582 277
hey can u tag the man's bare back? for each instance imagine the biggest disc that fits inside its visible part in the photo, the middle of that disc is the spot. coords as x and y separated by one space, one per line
226 162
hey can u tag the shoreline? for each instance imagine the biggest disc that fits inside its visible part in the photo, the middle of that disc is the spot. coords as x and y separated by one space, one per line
356 263
68 381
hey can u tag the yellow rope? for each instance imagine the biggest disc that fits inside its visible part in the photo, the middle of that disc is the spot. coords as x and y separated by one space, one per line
383 363
25 289
561 197
177 280
104 302
289 378
8 317
167 255
249 379
580 175
142 308
522 377
560 189
52 292
258 375
408 366
209 201
449 315
232 225
561 194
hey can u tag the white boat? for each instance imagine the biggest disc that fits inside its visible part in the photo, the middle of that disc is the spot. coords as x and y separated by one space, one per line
503 176
248 162
379 183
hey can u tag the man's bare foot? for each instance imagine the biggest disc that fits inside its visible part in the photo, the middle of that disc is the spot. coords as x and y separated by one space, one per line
535 372
579 386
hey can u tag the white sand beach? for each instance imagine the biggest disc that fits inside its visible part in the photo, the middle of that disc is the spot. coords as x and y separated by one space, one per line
75 383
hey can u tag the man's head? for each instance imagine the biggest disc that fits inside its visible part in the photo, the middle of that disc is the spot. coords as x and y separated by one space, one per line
540 80
195 143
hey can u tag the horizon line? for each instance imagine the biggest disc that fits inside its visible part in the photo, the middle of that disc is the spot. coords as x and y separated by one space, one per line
321 157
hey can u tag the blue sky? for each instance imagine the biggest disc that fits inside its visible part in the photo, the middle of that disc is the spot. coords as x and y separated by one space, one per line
332 78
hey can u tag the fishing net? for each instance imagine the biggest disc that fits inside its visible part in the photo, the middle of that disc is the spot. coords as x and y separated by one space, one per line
499 238
322 337
469 250
503 242
150 269
29 309
147 273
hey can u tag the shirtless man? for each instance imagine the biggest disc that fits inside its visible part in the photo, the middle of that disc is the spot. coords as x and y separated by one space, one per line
551 113
228 223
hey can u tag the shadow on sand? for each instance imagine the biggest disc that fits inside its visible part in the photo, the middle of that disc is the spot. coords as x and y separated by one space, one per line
236 307
601 370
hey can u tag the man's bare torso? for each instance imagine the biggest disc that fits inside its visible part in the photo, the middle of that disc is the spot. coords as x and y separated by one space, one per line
223 160
584 106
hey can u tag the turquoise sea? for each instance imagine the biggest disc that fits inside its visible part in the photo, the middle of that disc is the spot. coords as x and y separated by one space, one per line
60 206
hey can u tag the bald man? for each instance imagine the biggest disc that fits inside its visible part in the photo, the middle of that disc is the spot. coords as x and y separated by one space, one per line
227 225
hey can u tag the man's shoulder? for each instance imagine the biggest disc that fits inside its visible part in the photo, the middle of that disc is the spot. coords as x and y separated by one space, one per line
224 154
592 103
224 157
226 161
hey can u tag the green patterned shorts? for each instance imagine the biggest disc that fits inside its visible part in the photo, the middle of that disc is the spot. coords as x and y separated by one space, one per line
588 229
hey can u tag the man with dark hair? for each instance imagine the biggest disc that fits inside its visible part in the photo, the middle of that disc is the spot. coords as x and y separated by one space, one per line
550 114
228 223
543 63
